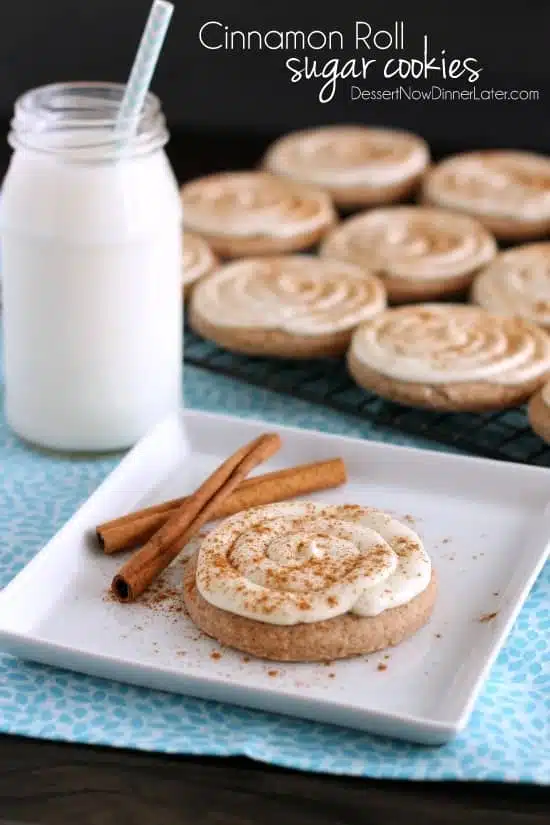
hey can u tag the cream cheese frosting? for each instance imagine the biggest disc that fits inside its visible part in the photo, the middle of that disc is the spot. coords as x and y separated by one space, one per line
349 156
517 283
501 184
412 243
448 343
301 562
252 204
298 294
198 258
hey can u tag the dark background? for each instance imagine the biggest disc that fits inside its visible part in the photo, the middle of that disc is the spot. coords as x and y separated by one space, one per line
250 93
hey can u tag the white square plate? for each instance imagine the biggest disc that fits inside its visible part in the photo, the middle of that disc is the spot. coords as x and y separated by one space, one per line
484 523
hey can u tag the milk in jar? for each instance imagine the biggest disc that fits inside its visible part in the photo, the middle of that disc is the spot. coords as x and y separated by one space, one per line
91 268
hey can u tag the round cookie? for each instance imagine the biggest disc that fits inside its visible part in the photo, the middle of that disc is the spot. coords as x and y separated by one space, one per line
292 306
255 213
517 283
508 191
325 641
538 411
198 260
450 357
357 165
309 582
420 253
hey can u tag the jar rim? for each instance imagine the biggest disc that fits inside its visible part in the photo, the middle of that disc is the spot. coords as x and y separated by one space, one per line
78 118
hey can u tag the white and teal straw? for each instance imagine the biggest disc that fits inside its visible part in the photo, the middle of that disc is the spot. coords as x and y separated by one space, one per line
143 69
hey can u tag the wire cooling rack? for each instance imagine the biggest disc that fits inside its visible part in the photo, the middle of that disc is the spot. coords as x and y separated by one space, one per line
503 435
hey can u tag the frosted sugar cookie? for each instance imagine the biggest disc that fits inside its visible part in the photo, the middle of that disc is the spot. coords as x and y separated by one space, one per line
509 191
310 582
450 357
293 306
357 165
255 213
517 282
198 260
418 252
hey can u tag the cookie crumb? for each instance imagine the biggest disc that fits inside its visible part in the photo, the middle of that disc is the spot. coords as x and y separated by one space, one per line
245 659
488 617
215 655
382 666
446 540
438 635
273 673
331 675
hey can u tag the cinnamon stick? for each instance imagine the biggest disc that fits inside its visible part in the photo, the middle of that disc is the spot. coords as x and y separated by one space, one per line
134 529
137 574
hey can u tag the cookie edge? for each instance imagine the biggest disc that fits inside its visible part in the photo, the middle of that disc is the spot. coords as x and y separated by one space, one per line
315 642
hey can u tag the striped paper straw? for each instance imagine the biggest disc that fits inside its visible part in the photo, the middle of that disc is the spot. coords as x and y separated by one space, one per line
143 69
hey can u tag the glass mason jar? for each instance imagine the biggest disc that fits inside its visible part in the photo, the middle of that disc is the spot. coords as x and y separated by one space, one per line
91 268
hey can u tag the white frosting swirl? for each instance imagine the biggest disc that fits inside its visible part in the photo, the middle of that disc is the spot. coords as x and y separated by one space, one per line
299 562
517 283
298 294
254 204
449 343
412 243
349 156
198 258
501 184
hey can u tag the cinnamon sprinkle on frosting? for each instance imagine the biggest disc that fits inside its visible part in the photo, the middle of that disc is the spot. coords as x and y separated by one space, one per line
299 562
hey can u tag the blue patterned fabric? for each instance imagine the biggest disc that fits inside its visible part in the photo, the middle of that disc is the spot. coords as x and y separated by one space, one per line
508 738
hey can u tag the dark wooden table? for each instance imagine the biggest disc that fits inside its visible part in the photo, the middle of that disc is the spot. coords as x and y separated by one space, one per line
43 783
49 784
